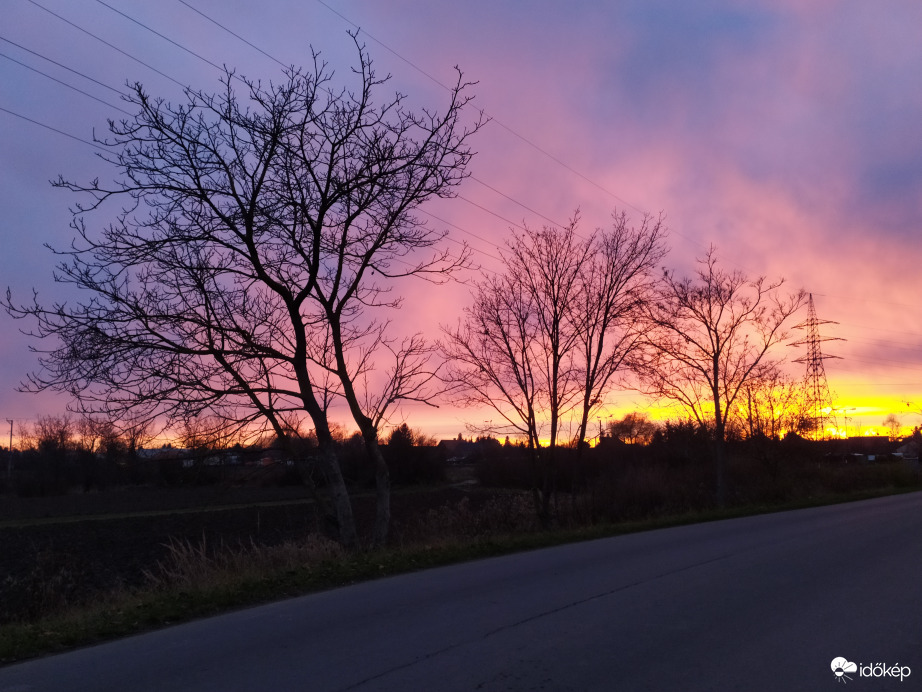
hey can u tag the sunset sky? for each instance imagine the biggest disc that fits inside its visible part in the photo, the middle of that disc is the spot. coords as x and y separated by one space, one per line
786 132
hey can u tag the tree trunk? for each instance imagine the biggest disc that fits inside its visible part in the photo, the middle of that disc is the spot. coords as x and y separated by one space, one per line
342 506
720 460
720 438
539 485
382 494
333 503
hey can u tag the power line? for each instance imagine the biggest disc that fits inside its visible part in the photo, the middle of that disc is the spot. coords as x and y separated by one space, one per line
237 36
888 343
508 128
69 86
197 55
53 129
882 329
515 201
900 364
62 66
212 64
157 33
193 53
470 233
492 213
209 62
880 384
265 53
399 260
103 41
444 86
872 301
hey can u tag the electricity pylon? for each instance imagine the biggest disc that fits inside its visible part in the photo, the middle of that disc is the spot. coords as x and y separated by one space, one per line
819 399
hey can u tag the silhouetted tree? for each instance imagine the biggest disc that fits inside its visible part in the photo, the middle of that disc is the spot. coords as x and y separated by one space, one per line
54 435
404 437
614 286
401 437
257 235
773 404
543 340
411 457
634 428
516 348
709 337
893 425
51 445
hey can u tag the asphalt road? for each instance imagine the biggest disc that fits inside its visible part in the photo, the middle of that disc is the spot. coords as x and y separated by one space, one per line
760 603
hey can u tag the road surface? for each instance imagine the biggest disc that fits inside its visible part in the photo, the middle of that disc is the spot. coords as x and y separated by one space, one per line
759 603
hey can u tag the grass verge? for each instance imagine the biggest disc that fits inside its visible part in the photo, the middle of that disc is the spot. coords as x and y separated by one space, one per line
197 582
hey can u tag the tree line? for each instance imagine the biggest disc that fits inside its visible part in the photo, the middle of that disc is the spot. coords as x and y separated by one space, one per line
254 241
59 453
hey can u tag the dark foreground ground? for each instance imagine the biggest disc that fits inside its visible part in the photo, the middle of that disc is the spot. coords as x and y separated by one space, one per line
62 550
71 549
756 603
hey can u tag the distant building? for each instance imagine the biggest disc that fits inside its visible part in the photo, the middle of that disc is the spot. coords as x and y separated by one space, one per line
461 451
456 451
870 444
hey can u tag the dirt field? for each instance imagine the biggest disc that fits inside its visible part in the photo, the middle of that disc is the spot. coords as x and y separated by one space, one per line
65 549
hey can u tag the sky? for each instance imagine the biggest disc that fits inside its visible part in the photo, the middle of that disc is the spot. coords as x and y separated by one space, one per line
788 133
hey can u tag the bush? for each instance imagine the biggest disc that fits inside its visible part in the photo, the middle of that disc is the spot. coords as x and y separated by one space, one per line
464 520
511 468
199 565
414 465
411 458
636 491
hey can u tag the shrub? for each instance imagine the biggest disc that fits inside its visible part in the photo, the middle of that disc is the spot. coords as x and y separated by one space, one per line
199 565
464 520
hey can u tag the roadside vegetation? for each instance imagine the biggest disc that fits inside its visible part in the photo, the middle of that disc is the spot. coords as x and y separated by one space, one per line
84 567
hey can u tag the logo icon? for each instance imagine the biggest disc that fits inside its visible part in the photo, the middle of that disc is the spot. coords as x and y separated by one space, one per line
841 666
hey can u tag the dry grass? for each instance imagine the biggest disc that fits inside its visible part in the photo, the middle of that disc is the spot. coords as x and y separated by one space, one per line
505 513
198 577
200 566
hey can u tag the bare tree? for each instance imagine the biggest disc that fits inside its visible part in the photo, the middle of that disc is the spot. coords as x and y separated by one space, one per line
135 432
54 435
543 340
893 425
615 284
258 234
98 436
206 433
634 429
490 358
516 348
708 338
773 404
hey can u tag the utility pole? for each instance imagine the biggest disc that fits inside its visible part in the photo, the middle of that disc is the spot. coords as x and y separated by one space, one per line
845 414
9 463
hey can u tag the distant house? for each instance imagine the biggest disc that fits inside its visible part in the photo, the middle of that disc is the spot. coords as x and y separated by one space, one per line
870 445
165 452
610 443
456 451
909 451
461 451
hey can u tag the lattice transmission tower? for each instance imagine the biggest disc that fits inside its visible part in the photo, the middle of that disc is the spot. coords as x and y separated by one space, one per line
819 399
